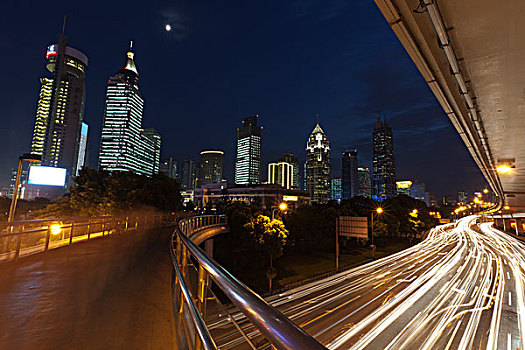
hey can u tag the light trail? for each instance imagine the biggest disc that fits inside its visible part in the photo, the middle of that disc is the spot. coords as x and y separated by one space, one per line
461 288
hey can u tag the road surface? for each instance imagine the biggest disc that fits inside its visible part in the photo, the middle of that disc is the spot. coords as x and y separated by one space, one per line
461 288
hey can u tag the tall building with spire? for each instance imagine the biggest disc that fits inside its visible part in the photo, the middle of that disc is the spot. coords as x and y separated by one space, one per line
248 157
124 145
384 168
318 166
57 133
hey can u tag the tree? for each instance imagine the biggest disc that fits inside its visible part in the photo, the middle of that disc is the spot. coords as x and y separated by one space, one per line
271 236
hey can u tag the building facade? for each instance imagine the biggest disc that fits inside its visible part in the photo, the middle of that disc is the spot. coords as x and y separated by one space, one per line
60 109
124 145
349 181
188 175
169 167
210 167
265 195
318 166
404 187
294 161
364 186
384 169
281 173
248 155
337 189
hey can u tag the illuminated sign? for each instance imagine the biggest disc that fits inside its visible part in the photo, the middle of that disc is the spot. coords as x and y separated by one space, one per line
290 198
46 175
403 184
51 50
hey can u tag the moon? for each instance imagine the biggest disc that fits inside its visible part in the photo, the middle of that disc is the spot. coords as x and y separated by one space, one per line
168 28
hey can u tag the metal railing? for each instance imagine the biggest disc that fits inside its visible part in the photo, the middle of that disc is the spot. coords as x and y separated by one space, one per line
27 237
272 324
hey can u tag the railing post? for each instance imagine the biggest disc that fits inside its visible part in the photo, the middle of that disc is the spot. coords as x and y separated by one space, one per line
201 289
19 242
183 272
89 228
126 225
48 236
71 233
103 226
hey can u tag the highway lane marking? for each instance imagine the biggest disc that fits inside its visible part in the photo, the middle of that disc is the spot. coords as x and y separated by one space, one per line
508 275
509 342
329 311
510 298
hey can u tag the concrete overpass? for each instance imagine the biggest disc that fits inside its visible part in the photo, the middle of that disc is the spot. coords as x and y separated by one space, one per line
471 54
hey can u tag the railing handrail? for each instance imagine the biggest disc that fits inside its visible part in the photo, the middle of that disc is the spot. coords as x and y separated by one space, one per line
37 221
280 331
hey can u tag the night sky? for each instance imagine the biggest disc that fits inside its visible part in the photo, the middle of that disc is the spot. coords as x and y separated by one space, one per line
226 60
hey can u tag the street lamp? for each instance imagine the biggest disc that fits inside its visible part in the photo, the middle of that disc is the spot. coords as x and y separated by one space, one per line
27 157
378 210
282 207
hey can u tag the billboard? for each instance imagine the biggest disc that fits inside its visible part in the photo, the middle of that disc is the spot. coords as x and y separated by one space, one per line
46 175
350 226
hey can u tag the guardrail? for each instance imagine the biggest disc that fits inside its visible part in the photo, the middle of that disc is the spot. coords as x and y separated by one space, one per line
282 333
22 238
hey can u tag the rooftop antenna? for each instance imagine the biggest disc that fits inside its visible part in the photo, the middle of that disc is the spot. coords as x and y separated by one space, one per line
64 25
317 118
130 45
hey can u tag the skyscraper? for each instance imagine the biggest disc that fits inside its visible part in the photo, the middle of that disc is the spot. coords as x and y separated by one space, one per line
318 166
281 173
124 145
169 167
337 190
210 168
188 175
60 110
384 169
248 159
294 161
349 174
82 146
364 187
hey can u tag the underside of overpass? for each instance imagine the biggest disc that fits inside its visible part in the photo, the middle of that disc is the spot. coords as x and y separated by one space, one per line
472 55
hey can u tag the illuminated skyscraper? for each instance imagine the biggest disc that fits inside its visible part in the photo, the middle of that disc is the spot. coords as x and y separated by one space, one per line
349 174
364 187
124 145
210 167
384 169
294 161
281 173
82 146
318 166
60 109
337 190
248 159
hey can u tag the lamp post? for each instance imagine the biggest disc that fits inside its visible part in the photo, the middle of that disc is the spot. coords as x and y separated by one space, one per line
30 158
378 210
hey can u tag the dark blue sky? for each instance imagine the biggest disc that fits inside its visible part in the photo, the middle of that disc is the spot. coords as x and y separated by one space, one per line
225 60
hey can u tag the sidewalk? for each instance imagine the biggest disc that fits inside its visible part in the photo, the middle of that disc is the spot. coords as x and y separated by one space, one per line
111 293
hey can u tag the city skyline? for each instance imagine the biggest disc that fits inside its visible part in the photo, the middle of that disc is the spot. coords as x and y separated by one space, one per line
347 120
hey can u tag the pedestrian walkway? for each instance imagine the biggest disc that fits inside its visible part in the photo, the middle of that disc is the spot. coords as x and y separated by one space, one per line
109 293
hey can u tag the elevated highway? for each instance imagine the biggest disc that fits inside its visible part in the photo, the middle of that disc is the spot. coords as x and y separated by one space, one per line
470 53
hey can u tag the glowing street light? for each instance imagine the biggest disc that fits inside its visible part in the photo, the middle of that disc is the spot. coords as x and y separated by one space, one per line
379 210
282 207
55 229
485 191
503 168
